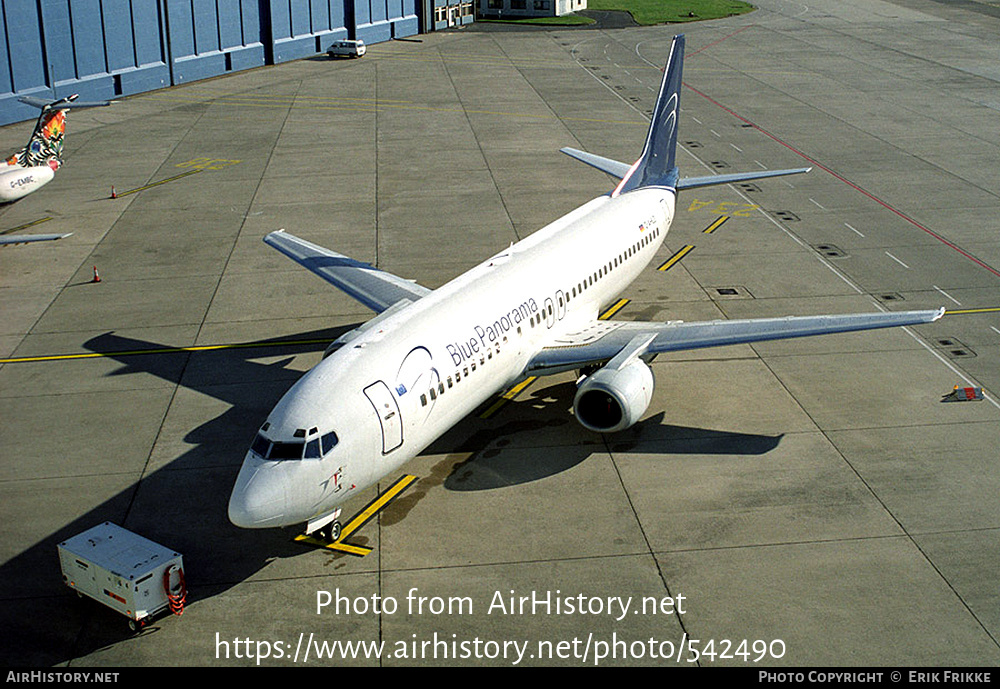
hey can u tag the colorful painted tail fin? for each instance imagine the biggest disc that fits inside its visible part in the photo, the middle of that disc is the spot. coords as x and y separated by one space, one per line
46 142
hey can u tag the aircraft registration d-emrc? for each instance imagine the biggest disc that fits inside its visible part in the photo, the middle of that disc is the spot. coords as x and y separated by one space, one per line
386 390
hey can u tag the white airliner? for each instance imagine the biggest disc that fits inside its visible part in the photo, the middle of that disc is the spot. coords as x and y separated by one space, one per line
35 165
386 390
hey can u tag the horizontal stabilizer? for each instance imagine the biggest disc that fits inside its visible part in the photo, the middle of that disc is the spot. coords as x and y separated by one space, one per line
28 238
711 180
68 103
619 169
612 167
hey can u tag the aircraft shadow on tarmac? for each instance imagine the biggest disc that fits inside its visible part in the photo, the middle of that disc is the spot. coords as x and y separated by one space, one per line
183 504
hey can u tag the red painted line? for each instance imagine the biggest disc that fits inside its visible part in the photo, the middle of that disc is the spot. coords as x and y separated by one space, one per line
706 47
846 181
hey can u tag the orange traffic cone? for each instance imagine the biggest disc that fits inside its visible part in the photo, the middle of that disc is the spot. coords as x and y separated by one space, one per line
97 278
113 194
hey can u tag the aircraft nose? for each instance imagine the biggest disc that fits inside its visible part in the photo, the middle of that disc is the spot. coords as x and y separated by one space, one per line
259 499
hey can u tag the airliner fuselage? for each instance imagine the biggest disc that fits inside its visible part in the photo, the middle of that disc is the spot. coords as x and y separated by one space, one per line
395 388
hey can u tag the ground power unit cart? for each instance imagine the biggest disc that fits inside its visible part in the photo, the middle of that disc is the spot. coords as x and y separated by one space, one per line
128 573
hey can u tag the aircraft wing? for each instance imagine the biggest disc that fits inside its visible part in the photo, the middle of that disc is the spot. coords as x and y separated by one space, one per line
376 289
27 238
603 340
620 170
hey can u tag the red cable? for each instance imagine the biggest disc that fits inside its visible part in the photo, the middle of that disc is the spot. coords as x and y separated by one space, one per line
175 599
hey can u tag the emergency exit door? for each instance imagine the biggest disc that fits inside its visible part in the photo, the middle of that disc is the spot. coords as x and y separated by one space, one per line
388 415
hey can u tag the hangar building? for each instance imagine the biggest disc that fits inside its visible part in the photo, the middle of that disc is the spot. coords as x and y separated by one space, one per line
104 49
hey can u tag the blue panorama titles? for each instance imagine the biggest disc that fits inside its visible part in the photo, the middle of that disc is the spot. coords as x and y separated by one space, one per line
490 334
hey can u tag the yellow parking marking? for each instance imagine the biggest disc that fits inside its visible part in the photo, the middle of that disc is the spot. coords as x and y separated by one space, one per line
156 184
362 518
952 312
508 396
27 225
379 106
160 350
673 260
613 309
716 225
209 163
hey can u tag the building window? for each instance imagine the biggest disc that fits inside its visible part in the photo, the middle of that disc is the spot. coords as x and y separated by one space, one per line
541 4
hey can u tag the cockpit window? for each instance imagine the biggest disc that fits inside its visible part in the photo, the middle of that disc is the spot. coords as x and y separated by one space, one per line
275 450
286 451
261 445
312 449
329 440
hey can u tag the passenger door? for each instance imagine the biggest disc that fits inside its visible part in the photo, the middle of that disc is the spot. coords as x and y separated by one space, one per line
388 415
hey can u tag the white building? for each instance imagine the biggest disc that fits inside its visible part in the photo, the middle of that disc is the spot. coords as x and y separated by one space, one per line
514 9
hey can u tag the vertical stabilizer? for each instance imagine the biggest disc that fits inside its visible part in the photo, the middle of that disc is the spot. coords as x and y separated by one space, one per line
657 167
46 143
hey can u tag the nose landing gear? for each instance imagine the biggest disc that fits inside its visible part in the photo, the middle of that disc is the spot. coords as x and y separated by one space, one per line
331 532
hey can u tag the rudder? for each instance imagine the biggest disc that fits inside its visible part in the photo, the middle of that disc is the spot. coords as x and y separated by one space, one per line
46 143
657 165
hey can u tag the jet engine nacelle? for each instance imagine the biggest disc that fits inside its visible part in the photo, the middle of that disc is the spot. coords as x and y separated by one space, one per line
22 181
614 398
